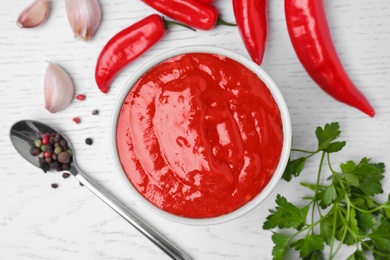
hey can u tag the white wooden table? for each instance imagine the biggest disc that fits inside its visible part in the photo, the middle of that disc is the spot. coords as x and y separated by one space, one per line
38 222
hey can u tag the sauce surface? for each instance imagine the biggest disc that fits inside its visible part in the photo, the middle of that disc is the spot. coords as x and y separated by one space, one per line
199 135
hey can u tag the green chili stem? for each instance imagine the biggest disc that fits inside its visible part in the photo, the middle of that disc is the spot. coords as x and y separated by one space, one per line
223 22
167 23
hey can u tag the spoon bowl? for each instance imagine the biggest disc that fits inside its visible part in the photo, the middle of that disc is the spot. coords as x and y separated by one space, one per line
25 132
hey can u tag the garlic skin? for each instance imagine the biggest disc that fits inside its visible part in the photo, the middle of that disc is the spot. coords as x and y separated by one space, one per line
34 14
58 88
84 17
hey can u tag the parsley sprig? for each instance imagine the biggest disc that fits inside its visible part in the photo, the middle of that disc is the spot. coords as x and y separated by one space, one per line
341 211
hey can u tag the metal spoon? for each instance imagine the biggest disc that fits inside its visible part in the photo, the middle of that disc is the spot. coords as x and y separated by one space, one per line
23 134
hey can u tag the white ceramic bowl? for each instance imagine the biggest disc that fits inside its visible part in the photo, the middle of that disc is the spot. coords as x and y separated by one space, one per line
278 99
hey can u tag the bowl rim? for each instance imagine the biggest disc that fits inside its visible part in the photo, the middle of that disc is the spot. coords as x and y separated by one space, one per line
277 95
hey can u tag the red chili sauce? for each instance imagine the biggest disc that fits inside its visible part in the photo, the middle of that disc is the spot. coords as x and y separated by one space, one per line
199 135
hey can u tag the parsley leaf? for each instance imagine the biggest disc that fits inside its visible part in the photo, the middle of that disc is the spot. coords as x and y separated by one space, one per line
280 246
334 147
381 236
326 135
366 221
329 196
293 168
371 176
315 255
326 227
350 178
308 244
286 215
357 255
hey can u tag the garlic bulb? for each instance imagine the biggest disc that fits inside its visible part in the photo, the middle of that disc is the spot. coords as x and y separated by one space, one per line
84 17
34 14
58 88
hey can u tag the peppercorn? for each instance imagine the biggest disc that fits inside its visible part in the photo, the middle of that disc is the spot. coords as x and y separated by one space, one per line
58 150
49 148
54 185
80 97
95 112
35 151
49 160
45 139
65 175
63 143
55 165
44 166
65 166
38 143
63 157
76 120
88 141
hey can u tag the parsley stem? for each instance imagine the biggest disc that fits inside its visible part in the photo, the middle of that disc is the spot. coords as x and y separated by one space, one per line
330 165
315 203
313 186
344 233
371 210
373 250
303 151
335 208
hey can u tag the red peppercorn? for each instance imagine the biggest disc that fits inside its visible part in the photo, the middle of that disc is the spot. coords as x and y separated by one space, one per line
81 97
45 139
76 120
46 154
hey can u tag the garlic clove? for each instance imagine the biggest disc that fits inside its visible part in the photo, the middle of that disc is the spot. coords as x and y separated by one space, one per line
58 88
84 17
34 14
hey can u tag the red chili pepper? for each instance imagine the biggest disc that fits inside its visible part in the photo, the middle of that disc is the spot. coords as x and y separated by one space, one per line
251 19
310 36
126 46
190 12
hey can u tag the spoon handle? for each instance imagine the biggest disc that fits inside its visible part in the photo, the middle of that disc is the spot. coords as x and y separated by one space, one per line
172 250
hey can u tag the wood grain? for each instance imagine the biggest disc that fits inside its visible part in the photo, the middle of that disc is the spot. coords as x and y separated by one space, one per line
38 222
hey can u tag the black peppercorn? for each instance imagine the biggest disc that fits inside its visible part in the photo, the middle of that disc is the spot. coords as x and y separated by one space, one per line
55 166
49 160
95 112
44 166
49 148
65 166
88 141
63 143
35 151
65 175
